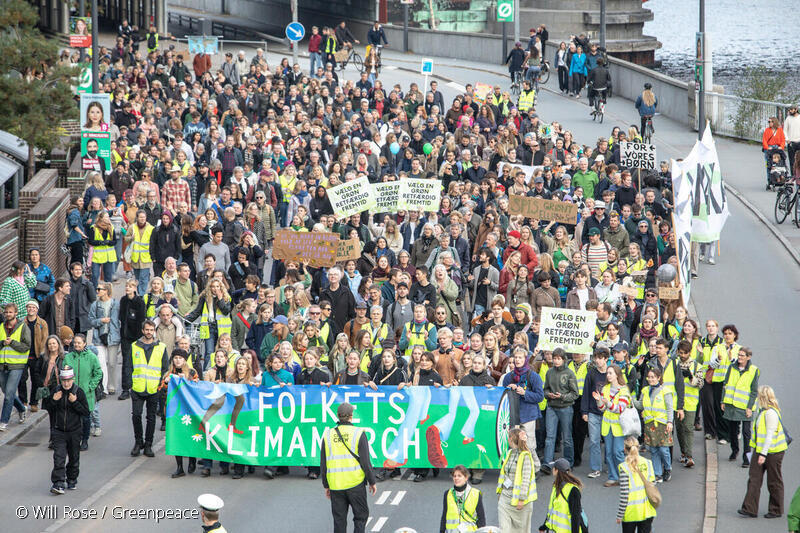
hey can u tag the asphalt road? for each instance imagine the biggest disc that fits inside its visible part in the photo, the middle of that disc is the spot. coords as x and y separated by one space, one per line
753 285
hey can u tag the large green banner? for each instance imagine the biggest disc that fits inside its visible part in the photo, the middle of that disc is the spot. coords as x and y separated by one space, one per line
414 426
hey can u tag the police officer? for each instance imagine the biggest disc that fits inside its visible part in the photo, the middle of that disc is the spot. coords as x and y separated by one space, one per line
210 504
345 466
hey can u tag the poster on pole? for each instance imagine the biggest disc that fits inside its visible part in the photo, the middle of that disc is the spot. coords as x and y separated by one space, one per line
709 202
637 155
386 196
570 329
683 187
203 44
352 197
419 194
80 32
317 248
95 111
542 209
286 425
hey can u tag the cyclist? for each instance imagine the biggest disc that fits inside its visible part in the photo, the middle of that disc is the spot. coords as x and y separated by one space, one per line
598 81
534 63
515 60
375 36
345 36
646 104
527 98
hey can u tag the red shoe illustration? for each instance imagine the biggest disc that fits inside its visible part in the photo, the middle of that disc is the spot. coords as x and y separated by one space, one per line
468 440
236 431
424 419
391 465
435 454
201 428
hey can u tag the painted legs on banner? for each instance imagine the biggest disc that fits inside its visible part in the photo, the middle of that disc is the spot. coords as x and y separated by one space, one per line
419 399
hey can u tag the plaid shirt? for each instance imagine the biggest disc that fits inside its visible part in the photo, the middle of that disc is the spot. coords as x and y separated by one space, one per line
173 192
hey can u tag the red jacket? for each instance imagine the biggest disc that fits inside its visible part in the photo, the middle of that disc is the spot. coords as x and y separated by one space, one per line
528 257
770 138
314 43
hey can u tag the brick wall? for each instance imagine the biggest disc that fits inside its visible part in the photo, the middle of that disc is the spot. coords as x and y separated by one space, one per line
73 129
9 218
44 229
76 179
42 183
8 249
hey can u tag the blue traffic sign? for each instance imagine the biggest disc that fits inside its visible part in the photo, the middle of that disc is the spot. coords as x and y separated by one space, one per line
295 31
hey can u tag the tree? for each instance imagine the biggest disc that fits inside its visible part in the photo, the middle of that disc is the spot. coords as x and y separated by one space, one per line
36 92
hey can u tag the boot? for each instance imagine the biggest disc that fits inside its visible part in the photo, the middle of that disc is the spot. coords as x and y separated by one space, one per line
178 473
137 449
148 450
192 465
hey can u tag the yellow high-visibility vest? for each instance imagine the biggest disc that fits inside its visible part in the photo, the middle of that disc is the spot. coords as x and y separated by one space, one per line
104 253
141 244
580 374
655 408
9 355
724 360
526 100
691 395
738 385
343 470
759 435
462 517
516 496
611 420
147 372
224 323
639 507
558 518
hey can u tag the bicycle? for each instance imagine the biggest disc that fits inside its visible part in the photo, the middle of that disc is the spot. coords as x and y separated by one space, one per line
599 104
787 201
516 82
351 56
647 134
544 73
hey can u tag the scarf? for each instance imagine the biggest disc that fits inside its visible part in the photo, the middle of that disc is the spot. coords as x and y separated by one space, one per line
519 372
647 334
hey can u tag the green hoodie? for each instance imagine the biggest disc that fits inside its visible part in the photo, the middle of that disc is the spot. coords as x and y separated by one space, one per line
88 373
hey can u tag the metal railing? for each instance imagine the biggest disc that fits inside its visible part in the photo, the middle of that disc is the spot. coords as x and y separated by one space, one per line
223 30
742 118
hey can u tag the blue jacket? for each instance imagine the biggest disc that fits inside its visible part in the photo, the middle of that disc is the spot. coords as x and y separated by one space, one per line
645 109
405 232
578 64
96 313
270 379
74 220
45 275
256 334
534 393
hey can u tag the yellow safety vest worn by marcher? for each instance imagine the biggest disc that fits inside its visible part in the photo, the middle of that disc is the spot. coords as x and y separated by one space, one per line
141 244
104 253
287 186
149 305
759 436
655 408
9 355
343 470
611 420
147 372
724 359
415 337
668 379
526 100
543 368
516 496
330 45
639 507
638 266
377 335
147 40
643 346
224 323
184 168
558 518
580 374
461 515
738 386
708 348
691 395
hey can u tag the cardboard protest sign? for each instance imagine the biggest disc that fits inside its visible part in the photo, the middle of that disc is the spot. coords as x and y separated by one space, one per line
669 293
419 194
349 249
541 209
637 155
482 90
317 248
633 292
386 196
352 197
570 329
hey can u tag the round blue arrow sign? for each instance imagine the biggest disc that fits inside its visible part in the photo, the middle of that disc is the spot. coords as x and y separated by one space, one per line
295 31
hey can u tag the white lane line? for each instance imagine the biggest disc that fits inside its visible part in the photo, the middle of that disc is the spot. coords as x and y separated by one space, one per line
399 497
379 523
383 497
390 67
456 86
368 521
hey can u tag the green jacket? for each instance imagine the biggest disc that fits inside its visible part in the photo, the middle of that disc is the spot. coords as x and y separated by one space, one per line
562 380
14 293
793 516
587 180
88 373
268 344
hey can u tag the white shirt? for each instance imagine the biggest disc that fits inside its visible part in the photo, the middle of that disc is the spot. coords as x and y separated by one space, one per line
791 129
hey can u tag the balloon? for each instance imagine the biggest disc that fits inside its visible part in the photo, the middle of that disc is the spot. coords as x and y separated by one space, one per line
394 148
427 148
666 273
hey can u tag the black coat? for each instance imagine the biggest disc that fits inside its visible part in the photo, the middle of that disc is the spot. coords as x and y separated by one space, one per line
343 304
165 242
82 296
48 312
131 317
65 415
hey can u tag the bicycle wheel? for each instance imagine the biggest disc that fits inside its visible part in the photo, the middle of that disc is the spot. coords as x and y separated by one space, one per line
782 206
357 62
602 113
503 424
796 210
544 75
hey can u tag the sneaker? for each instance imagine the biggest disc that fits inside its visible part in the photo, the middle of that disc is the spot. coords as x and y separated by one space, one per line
57 489
683 459
395 474
709 436
667 475
84 445
611 483
723 441
711 261
659 479
594 474
34 408
72 485
702 259
98 432
23 414
268 473
689 463
745 464
3 427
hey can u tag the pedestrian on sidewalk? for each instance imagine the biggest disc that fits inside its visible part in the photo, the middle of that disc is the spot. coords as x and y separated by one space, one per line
15 345
67 408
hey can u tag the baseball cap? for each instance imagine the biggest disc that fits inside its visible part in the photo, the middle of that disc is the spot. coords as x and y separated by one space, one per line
361 305
599 204
620 347
561 464
280 319
538 179
594 231
402 284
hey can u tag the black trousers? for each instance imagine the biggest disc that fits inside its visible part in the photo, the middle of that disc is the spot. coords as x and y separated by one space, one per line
66 455
138 402
747 427
127 364
580 429
341 500
563 79
32 369
645 526
76 252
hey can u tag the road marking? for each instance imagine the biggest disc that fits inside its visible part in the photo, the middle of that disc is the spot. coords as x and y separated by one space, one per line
397 499
390 67
456 86
379 523
383 497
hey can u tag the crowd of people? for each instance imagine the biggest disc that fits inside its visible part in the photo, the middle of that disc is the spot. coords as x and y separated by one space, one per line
208 163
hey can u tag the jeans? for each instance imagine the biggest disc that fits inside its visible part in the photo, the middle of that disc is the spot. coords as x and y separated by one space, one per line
315 59
533 72
94 416
479 310
595 453
554 417
108 356
9 381
108 272
615 454
661 459
143 279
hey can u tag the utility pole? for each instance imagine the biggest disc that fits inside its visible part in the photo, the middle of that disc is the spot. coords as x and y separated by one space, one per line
701 94
295 44
82 13
405 27
603 23
516 21
95 48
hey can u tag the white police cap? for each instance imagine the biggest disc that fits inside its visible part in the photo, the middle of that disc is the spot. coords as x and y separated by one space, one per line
210 502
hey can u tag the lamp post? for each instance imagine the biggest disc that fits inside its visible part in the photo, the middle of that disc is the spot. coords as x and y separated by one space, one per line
95 48
701 59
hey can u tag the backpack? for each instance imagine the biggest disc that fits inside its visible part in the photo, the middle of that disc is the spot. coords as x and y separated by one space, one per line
151 41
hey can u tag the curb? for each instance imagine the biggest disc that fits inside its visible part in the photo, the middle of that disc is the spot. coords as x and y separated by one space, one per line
770 226
712 473
33 421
